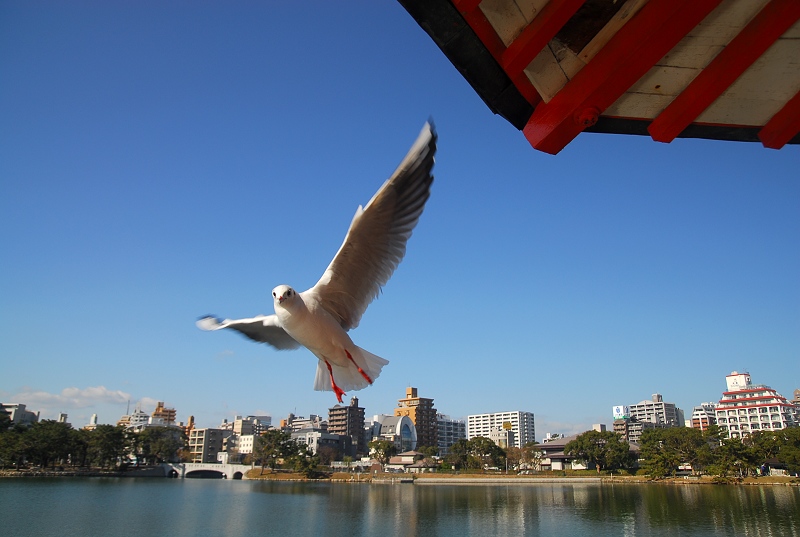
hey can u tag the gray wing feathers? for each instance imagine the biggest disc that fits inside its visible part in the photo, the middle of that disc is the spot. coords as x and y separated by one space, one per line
262 328
376 241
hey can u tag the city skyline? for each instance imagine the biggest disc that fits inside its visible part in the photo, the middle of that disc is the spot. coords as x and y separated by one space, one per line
575 427
146 152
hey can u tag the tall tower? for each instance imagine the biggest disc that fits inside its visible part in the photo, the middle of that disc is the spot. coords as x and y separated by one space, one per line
420 411
349 421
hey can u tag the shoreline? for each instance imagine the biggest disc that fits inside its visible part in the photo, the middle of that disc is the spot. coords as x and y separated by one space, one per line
430 479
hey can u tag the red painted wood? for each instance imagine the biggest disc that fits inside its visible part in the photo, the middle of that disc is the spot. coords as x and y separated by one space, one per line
783 126
760 33
537 34
488 36
633 51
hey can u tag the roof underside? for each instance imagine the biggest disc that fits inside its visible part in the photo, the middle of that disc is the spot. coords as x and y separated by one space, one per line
716 69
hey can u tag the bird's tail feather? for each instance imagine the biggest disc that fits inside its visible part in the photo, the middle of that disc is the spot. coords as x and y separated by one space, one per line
347 377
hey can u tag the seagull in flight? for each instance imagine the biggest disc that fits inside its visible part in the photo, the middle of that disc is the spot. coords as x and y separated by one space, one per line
320 317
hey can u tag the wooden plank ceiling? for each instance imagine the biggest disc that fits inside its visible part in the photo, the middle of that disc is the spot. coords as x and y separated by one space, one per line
716 69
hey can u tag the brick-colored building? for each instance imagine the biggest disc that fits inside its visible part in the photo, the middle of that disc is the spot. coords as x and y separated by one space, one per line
349 421
421 412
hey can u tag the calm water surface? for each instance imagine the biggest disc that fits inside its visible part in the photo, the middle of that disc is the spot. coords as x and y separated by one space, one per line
88 507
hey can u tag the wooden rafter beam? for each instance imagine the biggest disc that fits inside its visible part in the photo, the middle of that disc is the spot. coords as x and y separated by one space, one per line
753 41
783 126
486 33
537 34
631 53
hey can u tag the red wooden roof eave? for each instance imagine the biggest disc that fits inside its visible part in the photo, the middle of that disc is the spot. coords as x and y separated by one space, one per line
646 38
783 128
760 33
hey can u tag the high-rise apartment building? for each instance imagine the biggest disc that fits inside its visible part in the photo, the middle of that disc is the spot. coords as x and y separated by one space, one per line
422 414
448 431
657 411
748 407
703 415
349 421
521 423
631 429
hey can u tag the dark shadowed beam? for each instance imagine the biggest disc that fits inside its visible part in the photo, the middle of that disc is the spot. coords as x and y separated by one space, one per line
463 48
753 41
630 54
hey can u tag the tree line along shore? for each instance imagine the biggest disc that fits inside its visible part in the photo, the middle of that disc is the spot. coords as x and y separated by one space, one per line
55 448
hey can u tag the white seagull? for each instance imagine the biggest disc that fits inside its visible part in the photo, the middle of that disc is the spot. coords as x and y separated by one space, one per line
320 317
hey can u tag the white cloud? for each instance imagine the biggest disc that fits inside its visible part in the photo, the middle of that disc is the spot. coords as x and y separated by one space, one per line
69 398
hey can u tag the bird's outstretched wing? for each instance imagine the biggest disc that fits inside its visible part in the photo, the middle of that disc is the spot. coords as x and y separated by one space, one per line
263 328
376 241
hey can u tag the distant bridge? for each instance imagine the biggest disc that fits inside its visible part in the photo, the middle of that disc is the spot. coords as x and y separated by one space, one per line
206 469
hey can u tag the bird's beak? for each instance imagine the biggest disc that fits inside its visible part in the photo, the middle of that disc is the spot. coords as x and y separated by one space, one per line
281 299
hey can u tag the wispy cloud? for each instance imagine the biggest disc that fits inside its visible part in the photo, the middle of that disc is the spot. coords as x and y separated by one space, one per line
69 398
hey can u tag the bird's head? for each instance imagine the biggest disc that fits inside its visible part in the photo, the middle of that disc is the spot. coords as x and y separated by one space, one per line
283 295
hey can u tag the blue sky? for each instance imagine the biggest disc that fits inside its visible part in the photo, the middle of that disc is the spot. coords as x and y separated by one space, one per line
164 160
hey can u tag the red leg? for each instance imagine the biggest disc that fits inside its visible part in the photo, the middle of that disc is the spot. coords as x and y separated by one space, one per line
336 389
366 377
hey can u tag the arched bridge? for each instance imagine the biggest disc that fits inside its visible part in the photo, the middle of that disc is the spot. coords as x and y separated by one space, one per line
207 469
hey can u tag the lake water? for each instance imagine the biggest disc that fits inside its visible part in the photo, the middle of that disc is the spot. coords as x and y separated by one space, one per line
89 507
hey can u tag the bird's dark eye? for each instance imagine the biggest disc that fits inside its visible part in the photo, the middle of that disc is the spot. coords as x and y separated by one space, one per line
289 292
273 293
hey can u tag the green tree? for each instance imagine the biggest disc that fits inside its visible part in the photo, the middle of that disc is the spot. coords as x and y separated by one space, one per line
160 444
382 450
273 446
46 441
303 461
605 450
106 445
428 451
789 450
487 453
655 460
664 450
12 449
458 454
79 447
732 459
5 422
764 444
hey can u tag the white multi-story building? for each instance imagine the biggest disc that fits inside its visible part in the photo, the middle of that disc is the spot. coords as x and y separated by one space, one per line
398 429
748 407
242 444
657 411
448 431
18 415
256 425
703 415
314 439
519 422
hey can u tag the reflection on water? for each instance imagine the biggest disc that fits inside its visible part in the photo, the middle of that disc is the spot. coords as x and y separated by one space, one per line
121 507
